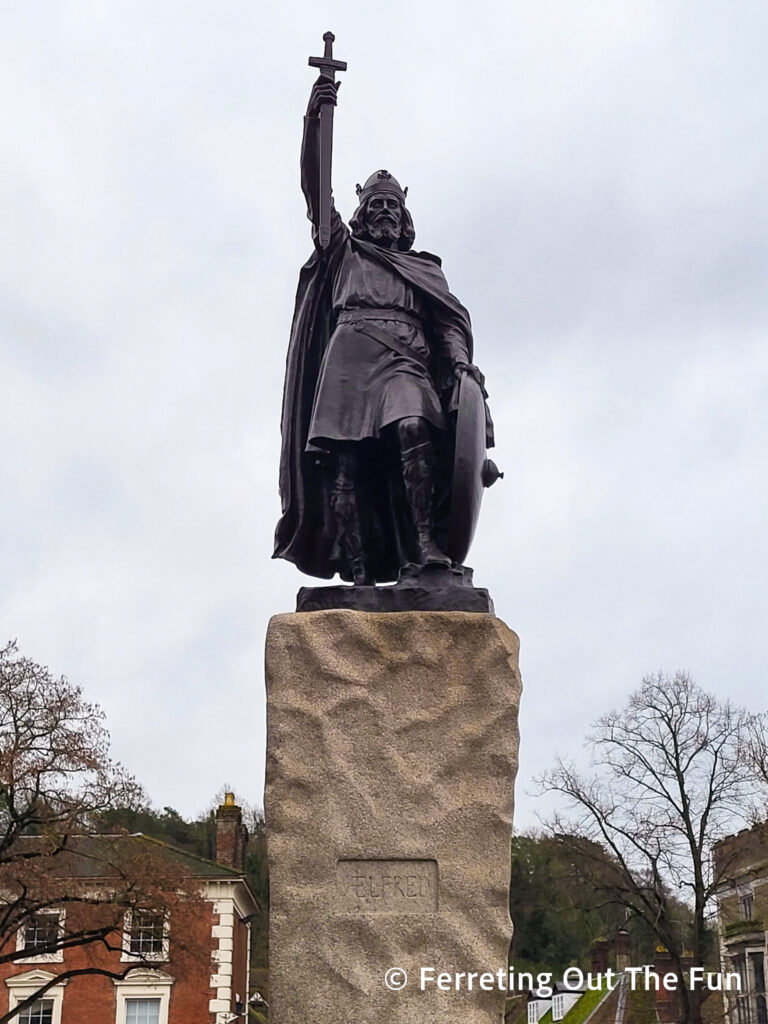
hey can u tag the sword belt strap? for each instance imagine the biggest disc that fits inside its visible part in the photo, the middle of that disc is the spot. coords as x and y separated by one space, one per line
364 322
350 316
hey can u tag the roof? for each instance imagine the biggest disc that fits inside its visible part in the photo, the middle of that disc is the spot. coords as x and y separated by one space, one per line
200 867
96 856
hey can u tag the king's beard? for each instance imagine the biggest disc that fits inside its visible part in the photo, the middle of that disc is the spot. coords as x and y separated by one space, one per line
383 231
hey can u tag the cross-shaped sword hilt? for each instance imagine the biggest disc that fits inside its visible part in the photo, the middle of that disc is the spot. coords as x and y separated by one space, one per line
328 66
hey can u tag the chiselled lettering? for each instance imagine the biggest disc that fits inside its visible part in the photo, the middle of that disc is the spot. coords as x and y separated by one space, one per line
386 886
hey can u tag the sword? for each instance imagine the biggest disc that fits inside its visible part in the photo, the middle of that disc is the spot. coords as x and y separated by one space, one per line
328 67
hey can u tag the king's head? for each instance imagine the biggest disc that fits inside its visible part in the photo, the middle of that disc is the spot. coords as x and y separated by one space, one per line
382 216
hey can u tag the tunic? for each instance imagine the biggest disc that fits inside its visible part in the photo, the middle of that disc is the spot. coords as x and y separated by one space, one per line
363 386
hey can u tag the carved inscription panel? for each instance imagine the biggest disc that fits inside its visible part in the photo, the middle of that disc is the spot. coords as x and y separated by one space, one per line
386 886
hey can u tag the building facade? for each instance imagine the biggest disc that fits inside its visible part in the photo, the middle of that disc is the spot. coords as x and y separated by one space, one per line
741 861
209 987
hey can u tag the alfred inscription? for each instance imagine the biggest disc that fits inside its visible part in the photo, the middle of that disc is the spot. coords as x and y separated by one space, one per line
386 886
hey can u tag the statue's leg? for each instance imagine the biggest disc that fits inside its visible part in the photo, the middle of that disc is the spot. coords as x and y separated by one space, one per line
418 462
346 513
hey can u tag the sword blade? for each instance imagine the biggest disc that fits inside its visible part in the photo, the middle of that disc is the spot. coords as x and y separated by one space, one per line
326 152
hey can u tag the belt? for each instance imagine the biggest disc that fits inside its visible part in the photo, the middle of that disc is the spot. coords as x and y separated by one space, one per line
362 322
351 316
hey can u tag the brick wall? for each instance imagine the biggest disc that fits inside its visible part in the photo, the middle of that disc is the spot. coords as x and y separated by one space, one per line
92 999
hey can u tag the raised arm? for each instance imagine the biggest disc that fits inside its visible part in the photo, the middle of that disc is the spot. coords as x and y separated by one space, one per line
323 91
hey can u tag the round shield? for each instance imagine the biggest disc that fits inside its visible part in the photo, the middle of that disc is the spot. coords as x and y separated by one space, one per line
468 464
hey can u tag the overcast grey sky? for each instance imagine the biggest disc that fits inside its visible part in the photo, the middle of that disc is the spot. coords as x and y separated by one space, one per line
593 175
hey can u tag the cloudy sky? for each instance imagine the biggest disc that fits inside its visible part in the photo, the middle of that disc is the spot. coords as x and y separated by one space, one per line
593 175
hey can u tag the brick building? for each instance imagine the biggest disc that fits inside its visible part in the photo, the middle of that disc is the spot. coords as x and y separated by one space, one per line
742 862
209 987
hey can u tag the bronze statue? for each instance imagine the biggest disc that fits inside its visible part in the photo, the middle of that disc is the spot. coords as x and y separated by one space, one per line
379 363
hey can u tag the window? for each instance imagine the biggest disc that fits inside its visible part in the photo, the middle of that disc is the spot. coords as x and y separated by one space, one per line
40 933
143 997
43 1011
742 993
142 1011
147 933
37 935
558 1007
146 936
40 1012
757 970
746 903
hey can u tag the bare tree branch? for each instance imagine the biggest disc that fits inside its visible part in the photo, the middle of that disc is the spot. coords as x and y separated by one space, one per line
672 772
56 778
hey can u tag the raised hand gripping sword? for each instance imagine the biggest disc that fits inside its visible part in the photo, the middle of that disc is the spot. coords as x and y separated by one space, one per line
328 67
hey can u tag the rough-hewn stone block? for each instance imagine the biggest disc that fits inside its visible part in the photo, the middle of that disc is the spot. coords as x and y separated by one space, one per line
391 759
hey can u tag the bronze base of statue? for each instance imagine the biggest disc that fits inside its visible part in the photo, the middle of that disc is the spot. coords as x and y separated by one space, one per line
419 588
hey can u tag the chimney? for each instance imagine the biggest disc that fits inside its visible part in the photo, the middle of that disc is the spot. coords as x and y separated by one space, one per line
668 1003
598 956
621 947
231 834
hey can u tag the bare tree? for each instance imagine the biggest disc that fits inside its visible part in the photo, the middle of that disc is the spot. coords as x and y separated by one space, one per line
670 775
758 755
58 881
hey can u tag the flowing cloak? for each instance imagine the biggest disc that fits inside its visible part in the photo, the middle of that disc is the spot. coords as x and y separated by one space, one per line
306 533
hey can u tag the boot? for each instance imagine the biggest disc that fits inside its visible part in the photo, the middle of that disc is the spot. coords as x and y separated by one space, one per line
418 479
345 510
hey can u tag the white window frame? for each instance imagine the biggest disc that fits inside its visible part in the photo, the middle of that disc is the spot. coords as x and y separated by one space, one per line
162 957
558 1006
20 986
57 957
143 984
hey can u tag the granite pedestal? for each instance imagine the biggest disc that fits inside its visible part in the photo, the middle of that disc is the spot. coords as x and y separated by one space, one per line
391 759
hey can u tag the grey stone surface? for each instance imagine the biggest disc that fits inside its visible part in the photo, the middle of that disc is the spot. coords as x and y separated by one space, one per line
391 758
